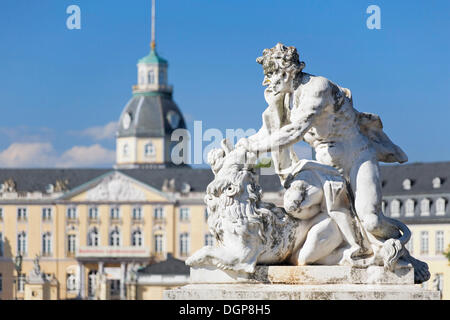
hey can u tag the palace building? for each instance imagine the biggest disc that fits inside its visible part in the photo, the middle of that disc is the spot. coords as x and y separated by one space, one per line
91 227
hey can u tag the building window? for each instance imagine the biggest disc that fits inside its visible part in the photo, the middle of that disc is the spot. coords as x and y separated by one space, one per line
410 244
22 243
125 150
114 213
71 283
71 243
149 150
184 214
209 240
184 244
21 282
407 183
114 238
436 183
1 214
47 244
158 213
46 214
92 283
21 213
439 242
151 77
440 206
409 208
114 288
425 207
206 215
93 237
1 282
395 208
137 213
424 242
71 213
136 238
93 213
159 243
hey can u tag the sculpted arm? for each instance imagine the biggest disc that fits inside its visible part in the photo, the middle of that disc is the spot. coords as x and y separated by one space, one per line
302 118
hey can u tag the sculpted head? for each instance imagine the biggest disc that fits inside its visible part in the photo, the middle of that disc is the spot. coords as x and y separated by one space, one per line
281 65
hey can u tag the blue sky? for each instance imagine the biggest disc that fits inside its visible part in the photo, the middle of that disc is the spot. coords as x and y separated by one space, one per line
61 90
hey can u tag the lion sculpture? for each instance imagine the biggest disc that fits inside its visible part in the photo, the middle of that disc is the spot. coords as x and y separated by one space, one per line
314 227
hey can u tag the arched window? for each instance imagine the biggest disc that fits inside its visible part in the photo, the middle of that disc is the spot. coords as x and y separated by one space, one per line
151 77
114 238
92 283
440 206
159 243
409 208
47 244
136 238
71 283
22 243
436 183
150 150
407 183
184 244
125 150
93 237
425 207
395 208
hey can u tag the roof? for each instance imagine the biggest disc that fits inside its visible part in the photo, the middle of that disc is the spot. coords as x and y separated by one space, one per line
421 176
29 180
170 266
150 116
153 58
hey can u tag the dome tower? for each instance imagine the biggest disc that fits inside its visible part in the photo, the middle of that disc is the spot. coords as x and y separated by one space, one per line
150 117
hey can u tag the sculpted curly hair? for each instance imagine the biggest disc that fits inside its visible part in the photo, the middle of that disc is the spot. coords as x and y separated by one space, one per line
281 57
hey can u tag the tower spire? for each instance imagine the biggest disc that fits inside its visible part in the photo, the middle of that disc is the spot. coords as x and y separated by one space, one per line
153 43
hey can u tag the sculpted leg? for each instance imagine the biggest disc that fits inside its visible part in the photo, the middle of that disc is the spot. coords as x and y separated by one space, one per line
366 186
322 239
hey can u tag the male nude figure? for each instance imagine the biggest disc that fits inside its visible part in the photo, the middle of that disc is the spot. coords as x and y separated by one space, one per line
314 109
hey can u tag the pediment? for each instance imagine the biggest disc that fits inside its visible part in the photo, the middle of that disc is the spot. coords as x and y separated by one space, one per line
116 187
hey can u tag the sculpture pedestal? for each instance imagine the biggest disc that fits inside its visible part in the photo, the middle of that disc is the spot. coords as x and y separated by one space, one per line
303 283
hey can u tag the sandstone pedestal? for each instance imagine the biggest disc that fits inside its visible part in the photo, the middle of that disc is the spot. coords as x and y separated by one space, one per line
303 283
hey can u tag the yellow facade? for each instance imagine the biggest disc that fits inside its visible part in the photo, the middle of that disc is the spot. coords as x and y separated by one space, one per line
60 262
434 256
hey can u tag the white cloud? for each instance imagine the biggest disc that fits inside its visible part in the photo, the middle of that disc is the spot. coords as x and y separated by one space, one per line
106 132
81 156
35 154
39 155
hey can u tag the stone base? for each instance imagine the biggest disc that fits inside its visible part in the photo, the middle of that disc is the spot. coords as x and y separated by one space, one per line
303 283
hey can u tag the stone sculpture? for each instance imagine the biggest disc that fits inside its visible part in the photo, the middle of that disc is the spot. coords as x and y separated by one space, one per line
332 207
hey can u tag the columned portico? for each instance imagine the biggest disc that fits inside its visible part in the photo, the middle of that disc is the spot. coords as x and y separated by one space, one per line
110 265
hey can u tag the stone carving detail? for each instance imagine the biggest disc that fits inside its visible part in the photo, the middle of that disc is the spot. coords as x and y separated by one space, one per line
61 185
169 185
8 185
115 188
332 207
